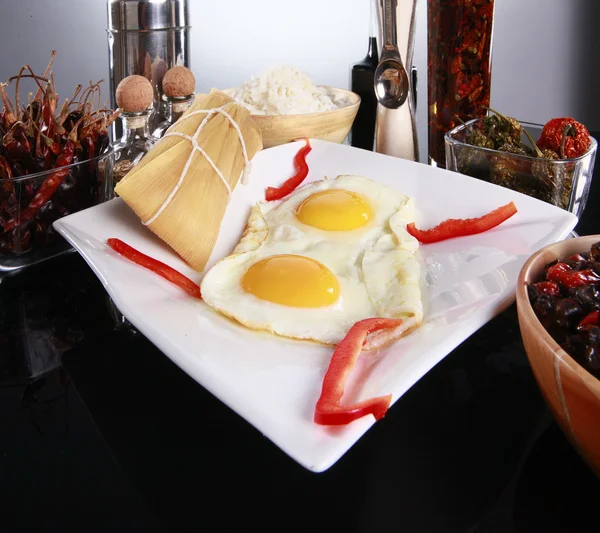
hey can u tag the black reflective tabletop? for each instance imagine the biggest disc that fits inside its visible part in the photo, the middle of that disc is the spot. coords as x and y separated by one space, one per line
99 431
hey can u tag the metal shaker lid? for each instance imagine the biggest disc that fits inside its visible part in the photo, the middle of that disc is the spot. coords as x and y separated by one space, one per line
147 15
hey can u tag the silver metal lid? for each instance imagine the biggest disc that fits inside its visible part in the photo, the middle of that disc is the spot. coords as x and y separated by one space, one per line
147 15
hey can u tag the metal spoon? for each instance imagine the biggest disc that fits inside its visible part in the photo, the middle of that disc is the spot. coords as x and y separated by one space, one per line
391 80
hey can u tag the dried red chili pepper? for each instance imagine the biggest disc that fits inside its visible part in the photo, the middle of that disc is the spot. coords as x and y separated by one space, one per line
51 144
5 170
454 227
329 410
5 175
40 91
274 193
102 142
47 189
566 135
33 140
16 143
88 143
156 266
8 115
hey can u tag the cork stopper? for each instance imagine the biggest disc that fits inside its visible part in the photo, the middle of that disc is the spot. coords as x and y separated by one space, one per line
134 94
178 81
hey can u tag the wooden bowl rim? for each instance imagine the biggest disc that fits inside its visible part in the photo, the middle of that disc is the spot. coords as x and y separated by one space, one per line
525 275
298 116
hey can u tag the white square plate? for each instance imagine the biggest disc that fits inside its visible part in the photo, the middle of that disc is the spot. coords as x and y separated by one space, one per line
274 382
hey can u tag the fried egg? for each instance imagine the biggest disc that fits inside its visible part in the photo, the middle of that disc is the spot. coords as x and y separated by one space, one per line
331 253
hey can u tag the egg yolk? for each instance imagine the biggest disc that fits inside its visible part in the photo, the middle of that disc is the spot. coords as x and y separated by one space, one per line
292 280
334 210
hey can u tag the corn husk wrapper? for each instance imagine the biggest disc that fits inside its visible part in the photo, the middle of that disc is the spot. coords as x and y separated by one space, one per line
191 221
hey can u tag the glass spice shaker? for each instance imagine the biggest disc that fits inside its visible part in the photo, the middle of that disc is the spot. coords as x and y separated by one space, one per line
459 40
178 87
134 97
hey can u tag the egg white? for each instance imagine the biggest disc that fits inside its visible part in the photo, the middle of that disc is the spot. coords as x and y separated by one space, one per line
375 266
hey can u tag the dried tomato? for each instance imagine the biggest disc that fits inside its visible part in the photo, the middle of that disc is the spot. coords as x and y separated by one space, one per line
555 271
577 278
576 138
547 287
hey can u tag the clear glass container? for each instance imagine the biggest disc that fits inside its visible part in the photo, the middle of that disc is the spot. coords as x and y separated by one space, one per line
174 107
33 239
134 144
561 182
459 66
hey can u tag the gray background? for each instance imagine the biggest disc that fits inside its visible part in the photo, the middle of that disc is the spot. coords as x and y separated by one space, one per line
545 52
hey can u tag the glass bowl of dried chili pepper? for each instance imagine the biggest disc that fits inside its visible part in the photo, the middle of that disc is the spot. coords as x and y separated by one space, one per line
55 159
558 304
29 205
553 163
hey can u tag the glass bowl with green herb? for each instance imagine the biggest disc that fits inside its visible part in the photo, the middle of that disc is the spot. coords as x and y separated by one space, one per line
502 151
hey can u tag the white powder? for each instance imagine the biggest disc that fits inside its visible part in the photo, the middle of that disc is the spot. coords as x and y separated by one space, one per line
283 91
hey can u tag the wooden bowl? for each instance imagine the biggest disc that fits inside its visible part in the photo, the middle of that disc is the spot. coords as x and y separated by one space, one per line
571 392
331 126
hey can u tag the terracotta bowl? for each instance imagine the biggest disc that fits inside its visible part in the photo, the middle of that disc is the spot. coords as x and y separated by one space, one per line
331 126
571 392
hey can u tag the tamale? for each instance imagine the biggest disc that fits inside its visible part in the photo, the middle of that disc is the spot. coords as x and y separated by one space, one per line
181 196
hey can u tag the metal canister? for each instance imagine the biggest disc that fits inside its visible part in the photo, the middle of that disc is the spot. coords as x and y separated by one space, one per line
147 37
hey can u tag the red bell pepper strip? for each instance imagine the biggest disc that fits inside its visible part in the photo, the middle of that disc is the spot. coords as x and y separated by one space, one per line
591 319
329 411
454 227
276 193
156 266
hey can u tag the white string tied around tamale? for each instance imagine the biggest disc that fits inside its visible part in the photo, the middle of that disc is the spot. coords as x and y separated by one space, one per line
196 147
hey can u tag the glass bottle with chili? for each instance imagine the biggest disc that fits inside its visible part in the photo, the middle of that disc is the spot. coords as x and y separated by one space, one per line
178 95
175 107
134 144
134 97
459 40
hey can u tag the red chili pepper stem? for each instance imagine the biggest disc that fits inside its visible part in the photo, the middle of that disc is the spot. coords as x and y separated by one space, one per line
329 410
156 266
566 129
538 152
